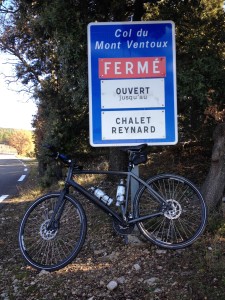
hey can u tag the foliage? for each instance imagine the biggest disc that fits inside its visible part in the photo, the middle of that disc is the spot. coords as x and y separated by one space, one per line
49 39
5 134
51 47
200 36
21 140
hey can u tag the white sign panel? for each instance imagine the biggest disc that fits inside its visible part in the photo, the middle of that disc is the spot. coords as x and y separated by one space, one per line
139 124
133 93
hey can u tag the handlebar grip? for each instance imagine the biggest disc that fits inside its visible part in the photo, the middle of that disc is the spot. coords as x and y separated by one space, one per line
55 154
63 157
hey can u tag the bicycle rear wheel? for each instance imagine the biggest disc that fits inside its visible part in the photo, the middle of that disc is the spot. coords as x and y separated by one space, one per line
51 250
179 225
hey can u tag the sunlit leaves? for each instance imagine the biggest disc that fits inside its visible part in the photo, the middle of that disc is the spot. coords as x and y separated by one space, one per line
200 36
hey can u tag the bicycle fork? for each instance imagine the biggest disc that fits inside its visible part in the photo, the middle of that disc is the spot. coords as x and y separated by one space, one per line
58 210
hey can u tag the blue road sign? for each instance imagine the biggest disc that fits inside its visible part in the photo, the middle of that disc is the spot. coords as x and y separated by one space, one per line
132 83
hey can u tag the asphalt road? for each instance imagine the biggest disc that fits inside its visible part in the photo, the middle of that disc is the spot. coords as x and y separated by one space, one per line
12 174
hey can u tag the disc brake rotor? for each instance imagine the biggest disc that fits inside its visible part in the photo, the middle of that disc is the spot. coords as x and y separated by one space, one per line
46 233
174 211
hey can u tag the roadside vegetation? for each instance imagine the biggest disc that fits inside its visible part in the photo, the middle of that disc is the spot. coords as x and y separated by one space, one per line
140 269
17 141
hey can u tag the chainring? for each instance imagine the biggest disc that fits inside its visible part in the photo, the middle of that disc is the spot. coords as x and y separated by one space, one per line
122 230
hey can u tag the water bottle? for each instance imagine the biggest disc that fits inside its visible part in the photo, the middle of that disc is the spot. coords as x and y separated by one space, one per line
120 194
101 195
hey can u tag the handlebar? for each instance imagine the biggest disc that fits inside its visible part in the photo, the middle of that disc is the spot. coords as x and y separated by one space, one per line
56 155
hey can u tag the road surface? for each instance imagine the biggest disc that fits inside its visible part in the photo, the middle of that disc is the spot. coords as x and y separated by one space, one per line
12 173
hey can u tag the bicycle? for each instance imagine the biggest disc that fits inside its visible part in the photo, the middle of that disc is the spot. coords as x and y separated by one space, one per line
168 210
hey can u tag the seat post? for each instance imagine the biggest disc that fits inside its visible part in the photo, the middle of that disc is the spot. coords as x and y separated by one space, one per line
134 167
134 183
135 170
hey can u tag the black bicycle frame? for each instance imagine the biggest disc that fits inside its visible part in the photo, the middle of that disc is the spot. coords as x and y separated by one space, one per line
102 205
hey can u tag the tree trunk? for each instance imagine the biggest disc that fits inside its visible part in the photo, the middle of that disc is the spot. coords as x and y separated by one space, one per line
214 184
118 160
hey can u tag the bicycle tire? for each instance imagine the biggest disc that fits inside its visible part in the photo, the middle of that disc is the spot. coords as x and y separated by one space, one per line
179 226
52 250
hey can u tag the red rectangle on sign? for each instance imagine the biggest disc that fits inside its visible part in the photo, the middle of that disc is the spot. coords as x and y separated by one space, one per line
138 67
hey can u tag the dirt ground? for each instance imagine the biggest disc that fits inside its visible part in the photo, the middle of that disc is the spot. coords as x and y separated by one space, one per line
106 267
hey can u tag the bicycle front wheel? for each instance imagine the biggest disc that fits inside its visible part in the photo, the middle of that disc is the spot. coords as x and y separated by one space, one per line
46 249
178 223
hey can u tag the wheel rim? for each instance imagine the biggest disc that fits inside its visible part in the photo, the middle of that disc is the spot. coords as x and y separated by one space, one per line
182 218
52 249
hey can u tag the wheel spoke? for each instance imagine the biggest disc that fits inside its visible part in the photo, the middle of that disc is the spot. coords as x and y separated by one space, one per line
183 219
53 248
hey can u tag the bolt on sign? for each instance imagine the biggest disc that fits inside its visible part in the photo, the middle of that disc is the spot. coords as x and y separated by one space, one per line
132 83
